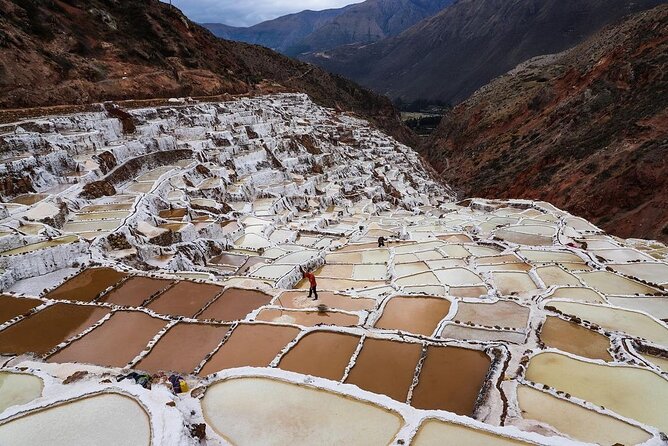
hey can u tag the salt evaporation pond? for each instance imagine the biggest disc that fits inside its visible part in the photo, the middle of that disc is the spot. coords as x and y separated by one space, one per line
18 388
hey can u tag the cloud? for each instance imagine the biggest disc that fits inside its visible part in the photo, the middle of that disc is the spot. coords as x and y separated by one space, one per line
249 12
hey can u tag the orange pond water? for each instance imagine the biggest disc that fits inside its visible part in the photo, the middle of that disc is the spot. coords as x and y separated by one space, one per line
385 367
234 304
321 353
114 343
307 318
10 307
183 347
253 345
87 285
47 328
573 338
419 315
134 291
299 299
451 379
184 298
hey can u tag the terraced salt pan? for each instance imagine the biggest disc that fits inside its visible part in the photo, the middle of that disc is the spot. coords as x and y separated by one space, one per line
234 304
661 362
631 322
185 298
656 306
299 300
253 345
610 283
556 276
573 338
501 313
576 421
622 255
536 256
114 343
18 388
458 277
370 256
578 293
649 272
420 315
464 333
508 283
104 420
321 353
632 392
250 411
41 245
307 318
433 432
11 307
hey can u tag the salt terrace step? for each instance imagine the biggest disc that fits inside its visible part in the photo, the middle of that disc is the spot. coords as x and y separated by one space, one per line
180 248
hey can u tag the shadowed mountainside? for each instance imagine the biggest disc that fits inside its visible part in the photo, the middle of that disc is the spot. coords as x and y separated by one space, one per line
586 129
57 52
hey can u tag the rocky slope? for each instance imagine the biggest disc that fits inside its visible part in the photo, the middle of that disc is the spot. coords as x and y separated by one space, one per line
312 31
586 129
73 52
450 55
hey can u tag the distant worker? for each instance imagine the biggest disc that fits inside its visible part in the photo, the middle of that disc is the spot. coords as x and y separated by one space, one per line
311 278
381 241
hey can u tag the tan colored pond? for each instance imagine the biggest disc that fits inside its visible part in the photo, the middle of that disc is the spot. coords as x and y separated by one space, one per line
385 367
419 315
578 293
110 419
321 353
451 379
556 276
183 347
432 432
185 298
87 285
458 277
573 338
656 306
114 343
649 272
631 322
234 304
661 362
254 345
11 307
610 283
502 313
369 256
41 245
513 282
47 328
467 291
254 411
454 331
632 392
29 199
307 318
535 256
18 388
134 291
576 421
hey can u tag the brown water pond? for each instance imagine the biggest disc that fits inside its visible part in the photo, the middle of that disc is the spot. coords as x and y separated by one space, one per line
501 313
173 213
419 315
87 285
49 327
386 367
451 379
299 299
467 291
573 338
134 291
307 318
185 298
321 353
229 259
114 343
253 345
249 264
234 304
183 347
10 307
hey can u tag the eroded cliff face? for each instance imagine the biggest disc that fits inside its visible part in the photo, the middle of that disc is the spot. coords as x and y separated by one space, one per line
586 129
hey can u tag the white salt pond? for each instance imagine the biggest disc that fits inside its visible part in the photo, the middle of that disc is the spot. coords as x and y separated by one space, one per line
441 433
18 388
107 419
253 411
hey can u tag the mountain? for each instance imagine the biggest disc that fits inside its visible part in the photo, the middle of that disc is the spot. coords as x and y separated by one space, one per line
76 52
448 56
586 129
278 34
312 31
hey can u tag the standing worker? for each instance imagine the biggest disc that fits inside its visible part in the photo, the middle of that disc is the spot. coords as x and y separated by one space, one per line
381 241
311 278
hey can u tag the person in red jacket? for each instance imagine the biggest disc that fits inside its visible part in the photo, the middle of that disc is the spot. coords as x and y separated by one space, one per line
313 284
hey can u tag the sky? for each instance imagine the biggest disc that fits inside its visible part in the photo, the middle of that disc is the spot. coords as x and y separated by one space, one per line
249 12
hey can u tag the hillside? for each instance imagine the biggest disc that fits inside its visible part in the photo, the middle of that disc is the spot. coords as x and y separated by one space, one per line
312 31
586 130
75 51
450 55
